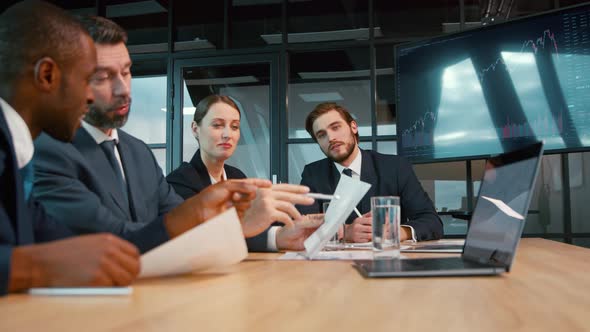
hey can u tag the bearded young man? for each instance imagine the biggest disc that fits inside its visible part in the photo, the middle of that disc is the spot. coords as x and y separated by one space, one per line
336 132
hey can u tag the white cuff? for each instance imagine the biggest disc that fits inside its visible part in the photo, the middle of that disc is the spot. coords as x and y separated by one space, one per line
413 232
271 240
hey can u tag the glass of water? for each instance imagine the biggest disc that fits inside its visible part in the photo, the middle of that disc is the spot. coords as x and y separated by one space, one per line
334 243
386 224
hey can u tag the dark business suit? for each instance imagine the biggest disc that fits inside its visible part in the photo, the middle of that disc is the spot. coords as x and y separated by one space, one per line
388 175
77 185
192 177
21 222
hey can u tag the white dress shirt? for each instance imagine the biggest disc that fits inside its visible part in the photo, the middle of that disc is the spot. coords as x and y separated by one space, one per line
223 177
355 167
99 136
20 133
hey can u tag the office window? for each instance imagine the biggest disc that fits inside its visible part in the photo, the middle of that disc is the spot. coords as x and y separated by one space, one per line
579 172
329 20
196 27
147 119
255 23
387 147
385 106
146 23
160 154
446 185
546 209
330 76
477 169
301 155
415 19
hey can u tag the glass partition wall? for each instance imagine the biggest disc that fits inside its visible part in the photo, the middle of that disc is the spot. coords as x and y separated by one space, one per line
279 59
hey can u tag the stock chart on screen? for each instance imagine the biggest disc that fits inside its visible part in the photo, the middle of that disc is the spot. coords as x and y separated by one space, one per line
485 91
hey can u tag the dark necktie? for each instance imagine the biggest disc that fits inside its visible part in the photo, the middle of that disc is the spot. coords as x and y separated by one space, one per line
27 173
109 149
347 171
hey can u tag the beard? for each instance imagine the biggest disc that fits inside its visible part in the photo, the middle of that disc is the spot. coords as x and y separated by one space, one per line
348 151
104 117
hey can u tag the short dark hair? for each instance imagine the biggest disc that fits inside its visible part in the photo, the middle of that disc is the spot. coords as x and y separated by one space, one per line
103 31
31 30
205 104
322 109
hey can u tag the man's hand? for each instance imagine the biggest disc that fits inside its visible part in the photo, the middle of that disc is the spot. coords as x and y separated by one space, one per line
90 260
274 204
292 237
212 201
360 230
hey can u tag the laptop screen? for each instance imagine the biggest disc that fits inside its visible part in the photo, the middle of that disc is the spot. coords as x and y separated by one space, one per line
502 206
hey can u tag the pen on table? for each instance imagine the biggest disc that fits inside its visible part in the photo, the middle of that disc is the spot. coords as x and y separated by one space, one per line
323 196
331 197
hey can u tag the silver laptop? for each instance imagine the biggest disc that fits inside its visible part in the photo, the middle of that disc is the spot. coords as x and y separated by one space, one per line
495 229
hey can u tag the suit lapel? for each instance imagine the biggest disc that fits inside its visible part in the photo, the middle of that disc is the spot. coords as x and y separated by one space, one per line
201 169
23 231
333 177
369 175
100 164
131 176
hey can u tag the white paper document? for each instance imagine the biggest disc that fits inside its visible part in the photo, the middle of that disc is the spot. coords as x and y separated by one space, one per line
329 255
215 243
350 191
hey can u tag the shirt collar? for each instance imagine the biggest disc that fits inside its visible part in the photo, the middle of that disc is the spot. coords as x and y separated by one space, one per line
223 177
355 166
98 135
20 133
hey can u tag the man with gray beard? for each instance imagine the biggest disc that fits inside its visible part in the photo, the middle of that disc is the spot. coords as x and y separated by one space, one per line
109 181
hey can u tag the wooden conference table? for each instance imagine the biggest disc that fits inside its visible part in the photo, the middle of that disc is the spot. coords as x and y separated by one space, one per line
547 290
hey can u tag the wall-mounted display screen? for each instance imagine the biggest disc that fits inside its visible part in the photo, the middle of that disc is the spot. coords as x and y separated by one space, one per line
485 91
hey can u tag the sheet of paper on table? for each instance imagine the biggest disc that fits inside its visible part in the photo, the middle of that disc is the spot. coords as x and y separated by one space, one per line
350 191
329 255
216 243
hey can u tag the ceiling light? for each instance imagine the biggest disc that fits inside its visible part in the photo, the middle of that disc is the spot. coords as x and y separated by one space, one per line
320 36
344 74
222 80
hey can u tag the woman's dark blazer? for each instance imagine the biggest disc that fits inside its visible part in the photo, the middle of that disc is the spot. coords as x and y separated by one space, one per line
192 177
